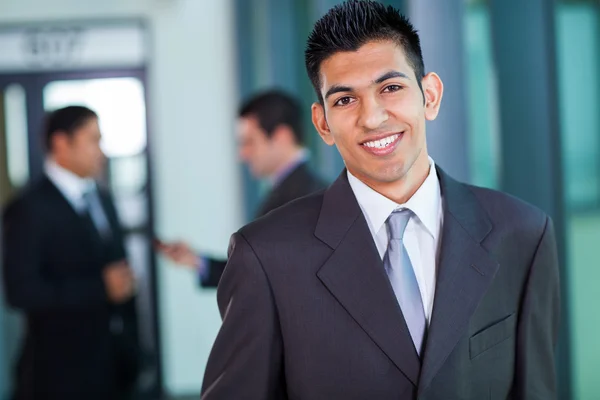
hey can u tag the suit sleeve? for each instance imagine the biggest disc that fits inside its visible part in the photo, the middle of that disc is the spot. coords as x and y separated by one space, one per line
246 358
538 324
25 286
214 271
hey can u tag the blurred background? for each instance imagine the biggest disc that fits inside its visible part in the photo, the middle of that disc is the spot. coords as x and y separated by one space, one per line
521 113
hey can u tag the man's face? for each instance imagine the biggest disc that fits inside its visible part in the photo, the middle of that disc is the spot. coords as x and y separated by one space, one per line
256 149
81 152
374 111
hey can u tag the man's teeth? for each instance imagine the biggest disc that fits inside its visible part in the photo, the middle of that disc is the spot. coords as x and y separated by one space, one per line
380 144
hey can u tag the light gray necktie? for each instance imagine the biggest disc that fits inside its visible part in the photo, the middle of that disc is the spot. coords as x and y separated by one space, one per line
93 206
403 279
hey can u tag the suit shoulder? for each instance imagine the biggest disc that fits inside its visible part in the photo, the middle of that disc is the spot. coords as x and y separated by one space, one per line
504 208
286 220
307 181
26 200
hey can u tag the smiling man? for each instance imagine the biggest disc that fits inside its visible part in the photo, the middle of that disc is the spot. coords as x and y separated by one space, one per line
397 282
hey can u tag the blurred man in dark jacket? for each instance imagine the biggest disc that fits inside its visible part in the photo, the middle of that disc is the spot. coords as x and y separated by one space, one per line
65 267
271 144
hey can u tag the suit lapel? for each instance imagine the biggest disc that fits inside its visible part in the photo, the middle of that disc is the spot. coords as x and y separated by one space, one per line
64 207
56 196
465 271
355 276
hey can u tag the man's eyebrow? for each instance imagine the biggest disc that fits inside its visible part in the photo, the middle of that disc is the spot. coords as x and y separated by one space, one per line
337 89
390 75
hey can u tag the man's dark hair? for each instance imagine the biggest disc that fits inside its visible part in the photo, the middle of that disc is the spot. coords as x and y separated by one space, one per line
348 26
66 120
274 108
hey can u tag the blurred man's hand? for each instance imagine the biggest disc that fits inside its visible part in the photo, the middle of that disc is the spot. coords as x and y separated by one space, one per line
179 252
119 281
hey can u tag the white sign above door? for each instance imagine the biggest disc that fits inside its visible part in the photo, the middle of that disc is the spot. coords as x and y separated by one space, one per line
71 46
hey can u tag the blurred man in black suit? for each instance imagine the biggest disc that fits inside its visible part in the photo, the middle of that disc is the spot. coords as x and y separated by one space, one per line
271 144
65 267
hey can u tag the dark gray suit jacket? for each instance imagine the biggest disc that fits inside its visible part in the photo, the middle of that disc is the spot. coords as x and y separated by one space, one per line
308 311
300 182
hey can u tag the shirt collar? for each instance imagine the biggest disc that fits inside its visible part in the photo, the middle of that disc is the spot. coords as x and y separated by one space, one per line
71 185
425 203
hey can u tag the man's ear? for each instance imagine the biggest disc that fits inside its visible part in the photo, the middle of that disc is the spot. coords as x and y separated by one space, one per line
320 122
433 90
59 141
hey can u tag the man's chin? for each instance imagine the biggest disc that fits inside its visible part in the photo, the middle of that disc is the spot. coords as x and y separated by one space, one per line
388 180
389 175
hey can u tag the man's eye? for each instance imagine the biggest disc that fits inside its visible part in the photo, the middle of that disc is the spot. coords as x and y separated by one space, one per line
392 88
344 101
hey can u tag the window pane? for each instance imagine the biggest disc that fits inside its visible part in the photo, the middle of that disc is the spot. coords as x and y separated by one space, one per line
15 114
483 107
120 104
578 57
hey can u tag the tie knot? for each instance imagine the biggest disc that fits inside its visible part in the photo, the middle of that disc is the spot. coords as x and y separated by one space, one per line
88 198
397 222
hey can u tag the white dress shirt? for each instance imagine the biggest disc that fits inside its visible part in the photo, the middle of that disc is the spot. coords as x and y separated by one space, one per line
422 235
73 188
71 185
